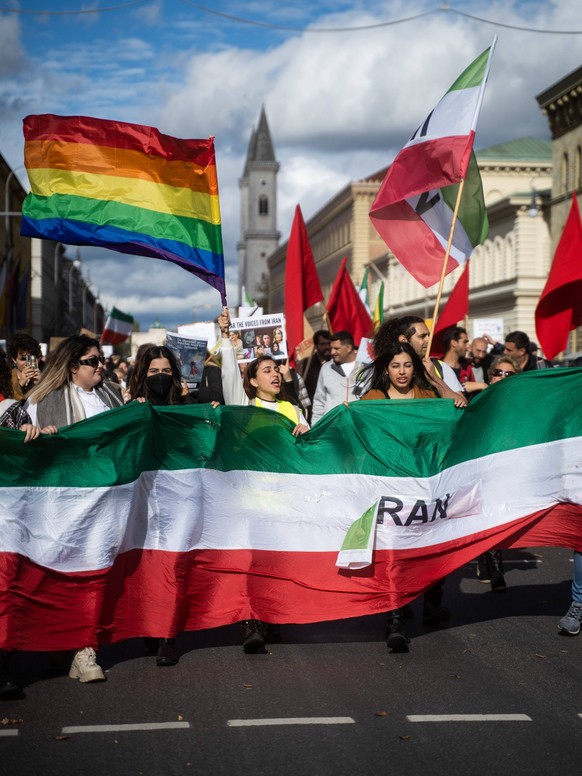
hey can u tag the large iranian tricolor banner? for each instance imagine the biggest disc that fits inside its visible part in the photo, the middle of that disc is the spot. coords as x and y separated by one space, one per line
413 210
149 521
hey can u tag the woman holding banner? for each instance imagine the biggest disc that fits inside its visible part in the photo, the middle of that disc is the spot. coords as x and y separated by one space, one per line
261 386
398 373
71 389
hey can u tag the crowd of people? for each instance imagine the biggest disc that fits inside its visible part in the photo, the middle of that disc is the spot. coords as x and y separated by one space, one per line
75 382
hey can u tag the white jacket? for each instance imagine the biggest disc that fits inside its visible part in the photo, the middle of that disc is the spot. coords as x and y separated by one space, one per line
333 388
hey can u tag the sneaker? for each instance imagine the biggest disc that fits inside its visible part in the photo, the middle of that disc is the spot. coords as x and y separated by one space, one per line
85 667
253 639
396 637
570 622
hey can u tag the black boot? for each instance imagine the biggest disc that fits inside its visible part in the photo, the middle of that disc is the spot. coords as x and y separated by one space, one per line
253 638
496 564
433 611
167 655
396 637
483 570
8 687
272 633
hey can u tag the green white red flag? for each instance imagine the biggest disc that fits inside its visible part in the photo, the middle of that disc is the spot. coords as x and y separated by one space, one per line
194 518
118 327
413 210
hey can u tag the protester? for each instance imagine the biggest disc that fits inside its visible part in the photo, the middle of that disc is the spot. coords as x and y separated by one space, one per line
456 342
338 379
26 357
480 359
261 386
156 378
414 330
398 373
490 563
309 368
517 345
571 622
209 390
71 389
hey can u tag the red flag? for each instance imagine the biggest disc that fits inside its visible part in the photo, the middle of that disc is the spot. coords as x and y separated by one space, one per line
560 307
345 308
456 308
302 288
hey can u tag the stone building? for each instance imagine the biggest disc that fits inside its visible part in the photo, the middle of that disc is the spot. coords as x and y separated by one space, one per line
562 104
507 272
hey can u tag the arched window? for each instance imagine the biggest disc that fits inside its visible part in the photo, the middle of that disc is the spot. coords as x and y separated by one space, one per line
564 173
263 205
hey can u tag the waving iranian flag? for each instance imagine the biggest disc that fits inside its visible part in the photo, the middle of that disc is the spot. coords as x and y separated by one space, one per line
413 210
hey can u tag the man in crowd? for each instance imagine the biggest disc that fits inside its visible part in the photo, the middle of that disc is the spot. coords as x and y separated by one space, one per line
338 377
25 353
456 342
310 367
517 345
480 360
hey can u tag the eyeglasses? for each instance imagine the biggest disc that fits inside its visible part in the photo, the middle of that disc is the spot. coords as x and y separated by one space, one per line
501 373
94 361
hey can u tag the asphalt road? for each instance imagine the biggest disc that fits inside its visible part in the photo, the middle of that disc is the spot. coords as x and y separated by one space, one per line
330 699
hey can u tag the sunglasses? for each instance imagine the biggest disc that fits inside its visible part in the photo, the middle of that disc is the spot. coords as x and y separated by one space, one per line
501 373
94 361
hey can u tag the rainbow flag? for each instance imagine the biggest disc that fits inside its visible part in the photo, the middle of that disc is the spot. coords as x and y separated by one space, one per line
126 187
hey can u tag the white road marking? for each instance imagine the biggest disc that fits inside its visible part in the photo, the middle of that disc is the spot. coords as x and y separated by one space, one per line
468 718
7 733
291 721
125 728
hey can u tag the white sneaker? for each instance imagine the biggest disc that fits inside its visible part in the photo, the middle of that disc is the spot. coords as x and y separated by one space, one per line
85 667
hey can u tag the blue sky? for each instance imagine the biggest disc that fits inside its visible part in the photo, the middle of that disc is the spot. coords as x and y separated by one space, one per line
339 104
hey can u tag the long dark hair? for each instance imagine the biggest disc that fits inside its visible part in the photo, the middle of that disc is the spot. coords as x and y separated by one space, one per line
251 373
394 328
138 388
375 374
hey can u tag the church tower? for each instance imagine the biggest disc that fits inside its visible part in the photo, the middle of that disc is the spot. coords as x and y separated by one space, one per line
258 194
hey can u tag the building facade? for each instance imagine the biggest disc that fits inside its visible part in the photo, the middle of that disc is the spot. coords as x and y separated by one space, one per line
42 291
507 272
258 223
562 105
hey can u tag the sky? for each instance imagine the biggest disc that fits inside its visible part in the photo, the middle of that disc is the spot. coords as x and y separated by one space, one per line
344 85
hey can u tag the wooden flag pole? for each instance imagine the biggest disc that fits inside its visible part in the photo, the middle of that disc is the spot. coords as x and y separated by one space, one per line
444 269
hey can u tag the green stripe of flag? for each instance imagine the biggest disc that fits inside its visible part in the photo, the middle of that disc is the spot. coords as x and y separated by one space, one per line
472 211
474 74
379 438
194 232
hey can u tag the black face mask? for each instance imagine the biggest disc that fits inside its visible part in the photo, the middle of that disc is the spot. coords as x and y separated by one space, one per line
159 385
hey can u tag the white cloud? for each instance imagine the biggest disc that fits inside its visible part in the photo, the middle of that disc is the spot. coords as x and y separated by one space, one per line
339 105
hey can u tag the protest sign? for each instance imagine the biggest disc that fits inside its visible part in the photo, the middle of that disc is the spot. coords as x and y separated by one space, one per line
258 336
190 354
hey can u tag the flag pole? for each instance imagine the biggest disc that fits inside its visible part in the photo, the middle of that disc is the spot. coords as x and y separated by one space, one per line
444 269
